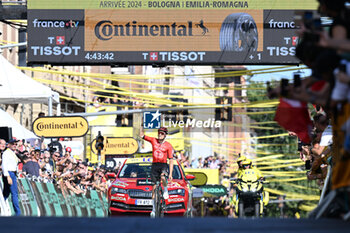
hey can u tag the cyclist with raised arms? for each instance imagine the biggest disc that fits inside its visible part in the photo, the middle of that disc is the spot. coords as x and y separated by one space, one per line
161 151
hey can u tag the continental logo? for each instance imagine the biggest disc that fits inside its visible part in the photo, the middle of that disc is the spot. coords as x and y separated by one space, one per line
118 146
44 126
121 145
60 127
106 30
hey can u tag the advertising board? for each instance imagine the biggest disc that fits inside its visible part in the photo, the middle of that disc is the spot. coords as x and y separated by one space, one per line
54 127
163 32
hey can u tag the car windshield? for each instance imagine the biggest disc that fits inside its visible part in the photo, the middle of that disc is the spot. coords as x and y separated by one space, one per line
143 170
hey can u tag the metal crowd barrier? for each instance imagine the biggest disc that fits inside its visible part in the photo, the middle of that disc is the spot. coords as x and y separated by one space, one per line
47 199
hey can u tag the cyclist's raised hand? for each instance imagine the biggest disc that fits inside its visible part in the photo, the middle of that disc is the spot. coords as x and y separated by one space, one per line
141 134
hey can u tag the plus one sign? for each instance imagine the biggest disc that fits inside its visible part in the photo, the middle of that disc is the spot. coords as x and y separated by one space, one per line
251 57
154 56
60 40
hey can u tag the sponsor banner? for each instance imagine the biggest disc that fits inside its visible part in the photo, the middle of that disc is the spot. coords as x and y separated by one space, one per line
55 35
23 199
65 205
163 35
144 31
110 131
104 201
42 199
179 4
81 202
96 204
116 198
27 198
203 176
176 199
47 199
214 190
73 202
53 127
54 199
118 146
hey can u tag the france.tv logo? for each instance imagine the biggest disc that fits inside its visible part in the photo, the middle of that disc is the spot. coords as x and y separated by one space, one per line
151 120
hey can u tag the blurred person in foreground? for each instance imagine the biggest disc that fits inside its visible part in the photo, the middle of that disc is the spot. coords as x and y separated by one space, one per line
2 148
9 176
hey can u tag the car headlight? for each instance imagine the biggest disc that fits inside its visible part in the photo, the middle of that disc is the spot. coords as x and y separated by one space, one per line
253 189
118 190
245 190
177 192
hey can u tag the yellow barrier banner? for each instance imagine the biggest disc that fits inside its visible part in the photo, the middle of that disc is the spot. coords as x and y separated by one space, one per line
212 174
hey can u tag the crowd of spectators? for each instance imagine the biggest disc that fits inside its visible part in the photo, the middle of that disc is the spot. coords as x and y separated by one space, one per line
318 154
212 162
63 169
325 49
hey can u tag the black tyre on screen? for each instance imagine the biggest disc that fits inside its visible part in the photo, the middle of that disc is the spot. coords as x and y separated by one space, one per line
239 33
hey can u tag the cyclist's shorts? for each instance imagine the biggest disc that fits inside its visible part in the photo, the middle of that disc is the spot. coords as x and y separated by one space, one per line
157 170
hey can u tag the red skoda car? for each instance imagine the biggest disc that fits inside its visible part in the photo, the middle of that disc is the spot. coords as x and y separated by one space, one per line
131 192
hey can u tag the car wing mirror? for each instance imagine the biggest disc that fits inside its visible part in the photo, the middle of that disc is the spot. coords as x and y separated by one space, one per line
190 177
111 176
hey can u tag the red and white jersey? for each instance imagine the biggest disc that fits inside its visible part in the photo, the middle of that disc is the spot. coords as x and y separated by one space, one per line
161 151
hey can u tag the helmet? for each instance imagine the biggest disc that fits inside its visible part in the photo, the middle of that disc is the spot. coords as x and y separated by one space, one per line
247 162
68 149
241 158
163 129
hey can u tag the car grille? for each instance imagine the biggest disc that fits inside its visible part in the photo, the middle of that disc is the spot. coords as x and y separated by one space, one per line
123 206
175 206
130 207
136 193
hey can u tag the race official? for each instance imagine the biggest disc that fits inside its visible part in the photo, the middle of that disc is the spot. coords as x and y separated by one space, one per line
248 164
9 176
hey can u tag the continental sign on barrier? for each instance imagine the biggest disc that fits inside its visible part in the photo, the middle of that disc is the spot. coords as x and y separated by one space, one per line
118 146
165 32
53 127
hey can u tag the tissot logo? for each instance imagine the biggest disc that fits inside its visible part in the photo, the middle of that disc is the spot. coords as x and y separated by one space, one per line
106 30
153 56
